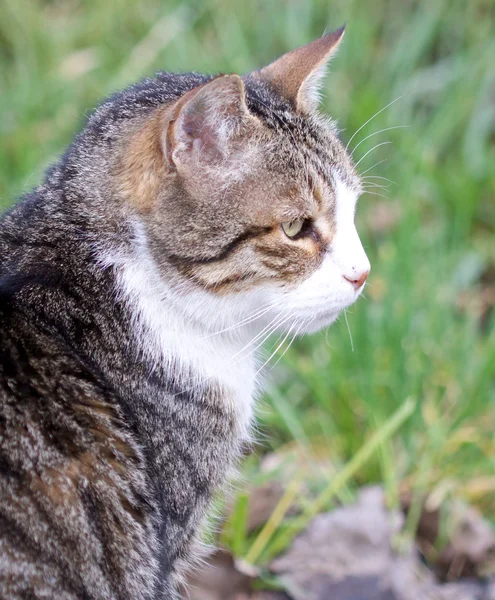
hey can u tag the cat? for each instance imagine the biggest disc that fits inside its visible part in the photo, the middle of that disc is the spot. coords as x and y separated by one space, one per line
193 216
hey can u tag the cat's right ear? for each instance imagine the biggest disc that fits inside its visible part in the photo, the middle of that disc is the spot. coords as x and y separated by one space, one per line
206 120
298 75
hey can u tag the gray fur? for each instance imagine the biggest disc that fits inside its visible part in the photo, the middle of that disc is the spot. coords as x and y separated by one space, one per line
107 461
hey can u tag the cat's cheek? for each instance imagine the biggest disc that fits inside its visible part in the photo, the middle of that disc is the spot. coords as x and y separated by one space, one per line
319 300
327 287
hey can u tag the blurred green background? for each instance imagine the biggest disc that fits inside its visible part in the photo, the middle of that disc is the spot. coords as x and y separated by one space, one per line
424 330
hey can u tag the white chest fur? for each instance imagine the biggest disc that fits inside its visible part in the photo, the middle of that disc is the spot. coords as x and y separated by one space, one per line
168 335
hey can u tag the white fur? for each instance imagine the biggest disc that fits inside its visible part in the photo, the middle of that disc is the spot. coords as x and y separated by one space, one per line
180 330
319 300
310 92
216 337
348 253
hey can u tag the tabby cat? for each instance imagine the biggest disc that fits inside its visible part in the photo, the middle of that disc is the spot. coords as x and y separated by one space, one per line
193 216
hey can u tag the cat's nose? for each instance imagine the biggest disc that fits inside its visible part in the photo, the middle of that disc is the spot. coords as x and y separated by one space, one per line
357 279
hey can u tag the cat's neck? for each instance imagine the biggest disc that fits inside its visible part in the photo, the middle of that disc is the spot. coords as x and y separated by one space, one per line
195 352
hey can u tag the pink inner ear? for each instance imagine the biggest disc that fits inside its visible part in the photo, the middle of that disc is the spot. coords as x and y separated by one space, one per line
210 118
196 127
202 138
197 144
194 120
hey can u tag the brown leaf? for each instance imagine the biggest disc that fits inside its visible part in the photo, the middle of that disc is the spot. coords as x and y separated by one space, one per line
343 554
471 544
262 501
223 579
218 580
347 555
479 298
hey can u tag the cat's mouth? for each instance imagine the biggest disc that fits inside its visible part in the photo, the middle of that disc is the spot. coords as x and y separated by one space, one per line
319 315
311 322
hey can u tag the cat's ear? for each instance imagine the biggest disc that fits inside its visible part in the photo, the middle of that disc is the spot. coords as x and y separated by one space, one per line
207 119
298 75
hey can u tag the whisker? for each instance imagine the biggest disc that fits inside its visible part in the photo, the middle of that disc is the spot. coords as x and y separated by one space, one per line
349 330
263 342
370 119
376 133
290 344
278 320
374 148
367 186
377 194
270 327
275 351
375 165
376 183
379 177
268 334
253 317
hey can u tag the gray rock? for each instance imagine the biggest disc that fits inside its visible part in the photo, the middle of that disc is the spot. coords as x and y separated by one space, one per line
346 554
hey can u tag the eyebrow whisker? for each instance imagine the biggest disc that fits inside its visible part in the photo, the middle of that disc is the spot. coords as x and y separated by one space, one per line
376 194
372 167
379 177
370 119
376 133
368 186
374 148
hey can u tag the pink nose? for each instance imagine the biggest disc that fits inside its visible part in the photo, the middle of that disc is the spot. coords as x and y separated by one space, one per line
357 280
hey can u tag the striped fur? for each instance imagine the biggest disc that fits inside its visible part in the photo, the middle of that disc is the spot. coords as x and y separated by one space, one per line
136 283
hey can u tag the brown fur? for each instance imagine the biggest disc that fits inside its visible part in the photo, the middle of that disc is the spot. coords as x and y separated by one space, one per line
142 168
120 416
290 73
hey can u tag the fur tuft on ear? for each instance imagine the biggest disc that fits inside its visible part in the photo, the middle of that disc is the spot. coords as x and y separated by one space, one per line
207 119
298 75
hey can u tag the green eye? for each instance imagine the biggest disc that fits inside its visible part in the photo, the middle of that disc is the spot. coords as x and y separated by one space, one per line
292 228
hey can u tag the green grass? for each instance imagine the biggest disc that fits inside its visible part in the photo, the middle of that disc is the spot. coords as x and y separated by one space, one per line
411 339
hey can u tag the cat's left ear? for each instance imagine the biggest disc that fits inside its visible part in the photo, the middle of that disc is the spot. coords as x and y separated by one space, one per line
298 75
207 119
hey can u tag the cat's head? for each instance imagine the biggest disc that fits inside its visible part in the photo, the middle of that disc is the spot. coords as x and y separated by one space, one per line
246 197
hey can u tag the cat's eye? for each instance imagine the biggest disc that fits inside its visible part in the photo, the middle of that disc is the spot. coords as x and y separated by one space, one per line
292 228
